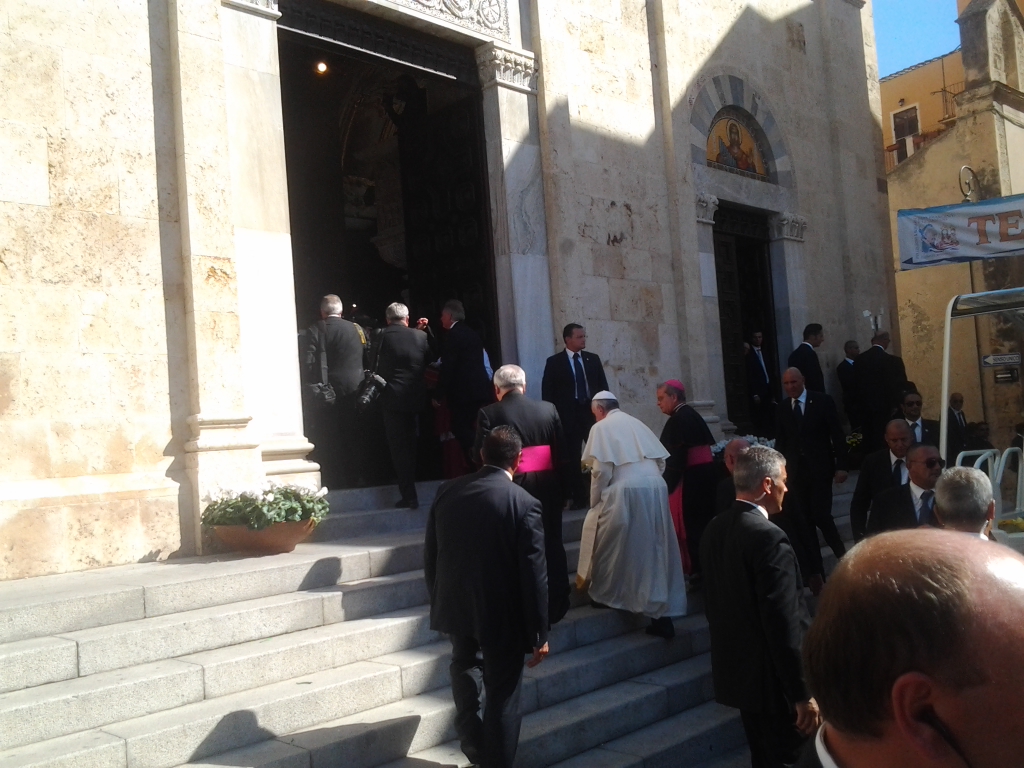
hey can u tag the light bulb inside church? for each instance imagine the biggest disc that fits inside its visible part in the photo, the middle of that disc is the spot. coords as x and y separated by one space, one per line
321 67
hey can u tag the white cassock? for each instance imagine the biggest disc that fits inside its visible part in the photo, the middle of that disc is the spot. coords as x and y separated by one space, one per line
629 551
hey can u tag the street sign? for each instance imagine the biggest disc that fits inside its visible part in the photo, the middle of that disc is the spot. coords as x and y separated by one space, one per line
1008 376
995 361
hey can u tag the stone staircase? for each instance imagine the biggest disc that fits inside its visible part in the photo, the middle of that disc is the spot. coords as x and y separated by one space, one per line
323 658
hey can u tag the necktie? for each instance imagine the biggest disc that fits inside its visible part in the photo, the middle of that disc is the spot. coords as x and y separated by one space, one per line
798 412
927 499
960 418
897 472
581 379
917 431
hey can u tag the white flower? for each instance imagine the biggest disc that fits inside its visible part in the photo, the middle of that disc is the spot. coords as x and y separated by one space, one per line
269 497
322 492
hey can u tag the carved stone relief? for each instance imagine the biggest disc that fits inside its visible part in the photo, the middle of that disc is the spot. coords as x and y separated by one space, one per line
788 226
265 8
707 204
509 67
487 16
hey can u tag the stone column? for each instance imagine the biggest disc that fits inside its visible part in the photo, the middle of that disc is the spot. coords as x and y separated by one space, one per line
786 234
262 238
709 382
509 80
220 450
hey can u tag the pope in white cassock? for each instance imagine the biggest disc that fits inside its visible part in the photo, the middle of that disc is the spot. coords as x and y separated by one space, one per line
629 553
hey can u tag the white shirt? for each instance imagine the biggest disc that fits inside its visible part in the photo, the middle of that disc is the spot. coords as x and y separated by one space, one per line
756 506
803 403
916 491
903 469
849 361
917 429
823 754
572 367
492 466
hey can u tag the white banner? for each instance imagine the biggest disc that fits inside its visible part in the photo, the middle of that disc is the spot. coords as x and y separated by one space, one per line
965 232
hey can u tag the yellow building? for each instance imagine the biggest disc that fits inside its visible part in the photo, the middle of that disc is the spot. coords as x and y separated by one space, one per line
963 108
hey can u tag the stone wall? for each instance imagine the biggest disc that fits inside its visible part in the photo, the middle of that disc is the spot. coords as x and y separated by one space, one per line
91 312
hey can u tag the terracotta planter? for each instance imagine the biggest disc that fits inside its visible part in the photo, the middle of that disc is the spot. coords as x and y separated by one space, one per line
278 538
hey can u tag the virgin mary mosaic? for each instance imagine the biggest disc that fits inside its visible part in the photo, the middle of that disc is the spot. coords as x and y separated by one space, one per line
731 145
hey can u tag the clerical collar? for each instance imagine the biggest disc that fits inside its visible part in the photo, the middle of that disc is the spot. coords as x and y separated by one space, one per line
507 472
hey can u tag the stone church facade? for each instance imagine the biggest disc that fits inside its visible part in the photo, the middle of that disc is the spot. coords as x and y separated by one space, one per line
147 300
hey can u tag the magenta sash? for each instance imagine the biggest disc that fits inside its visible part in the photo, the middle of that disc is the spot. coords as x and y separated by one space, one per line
698 455
536 458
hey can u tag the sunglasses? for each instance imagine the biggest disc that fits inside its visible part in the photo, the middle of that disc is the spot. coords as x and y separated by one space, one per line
933 463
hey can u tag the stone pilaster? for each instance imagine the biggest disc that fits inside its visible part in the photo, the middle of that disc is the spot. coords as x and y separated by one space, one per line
786 235
509 79
708 381
220 446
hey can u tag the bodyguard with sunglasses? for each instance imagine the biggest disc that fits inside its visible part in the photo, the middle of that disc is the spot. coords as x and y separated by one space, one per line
910 505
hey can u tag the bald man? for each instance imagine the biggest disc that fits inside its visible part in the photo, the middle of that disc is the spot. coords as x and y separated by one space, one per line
914 655
880 471
725 494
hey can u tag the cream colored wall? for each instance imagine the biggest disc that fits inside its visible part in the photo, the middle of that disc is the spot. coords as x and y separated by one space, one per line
919 87
88 298
626 249
931 179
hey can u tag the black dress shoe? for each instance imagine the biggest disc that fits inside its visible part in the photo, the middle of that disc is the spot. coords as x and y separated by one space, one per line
407 504
662 627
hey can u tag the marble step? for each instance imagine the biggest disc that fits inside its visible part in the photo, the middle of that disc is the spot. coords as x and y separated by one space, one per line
125 644
52 605
378 497
420 722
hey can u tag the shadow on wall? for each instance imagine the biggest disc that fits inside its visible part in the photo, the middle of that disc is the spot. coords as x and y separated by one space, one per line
620 212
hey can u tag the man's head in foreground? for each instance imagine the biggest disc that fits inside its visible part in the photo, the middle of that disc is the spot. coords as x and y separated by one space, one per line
914 655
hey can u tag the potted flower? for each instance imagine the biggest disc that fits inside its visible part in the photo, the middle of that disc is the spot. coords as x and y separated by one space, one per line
267 521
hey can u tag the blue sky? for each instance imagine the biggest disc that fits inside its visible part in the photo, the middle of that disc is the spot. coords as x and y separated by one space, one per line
910 31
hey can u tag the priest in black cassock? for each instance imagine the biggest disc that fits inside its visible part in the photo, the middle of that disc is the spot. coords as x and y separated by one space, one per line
543 471
689 471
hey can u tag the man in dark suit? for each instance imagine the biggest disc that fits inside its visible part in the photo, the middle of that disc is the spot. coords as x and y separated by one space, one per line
487 579
337 447
914 655
571 379
464 380
402 358
760 388
880 471
910 505
921 430
956 432
845 373
805 359
809 435
880 379
756 614
543 471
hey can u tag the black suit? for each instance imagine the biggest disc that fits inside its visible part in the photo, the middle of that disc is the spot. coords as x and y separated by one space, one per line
759 385
809 755
815 447
879 379
334 431
956 435
845 373
538 424
929 432
487 578
806 359
757 621
401 361
875 476
893 510
686 429
559 387
464 380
